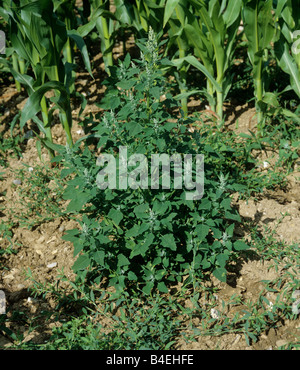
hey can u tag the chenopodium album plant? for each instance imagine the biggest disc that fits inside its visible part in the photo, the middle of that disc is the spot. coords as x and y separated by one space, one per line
139 234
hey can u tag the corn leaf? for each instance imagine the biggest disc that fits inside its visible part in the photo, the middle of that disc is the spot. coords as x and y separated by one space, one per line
32 106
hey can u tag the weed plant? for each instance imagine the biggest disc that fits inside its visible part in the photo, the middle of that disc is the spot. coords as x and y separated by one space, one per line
153 237
39 196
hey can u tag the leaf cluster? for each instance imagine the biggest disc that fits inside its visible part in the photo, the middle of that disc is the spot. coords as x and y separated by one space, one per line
143 235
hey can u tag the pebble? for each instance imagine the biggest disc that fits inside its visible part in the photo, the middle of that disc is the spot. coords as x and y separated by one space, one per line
215 314
61 229
281 342
236 340
296 304
266 165
51 265
17 182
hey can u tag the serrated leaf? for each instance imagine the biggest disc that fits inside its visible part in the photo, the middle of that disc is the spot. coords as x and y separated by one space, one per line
99 257
148 287
81 263
77 203
240 245
122 260
115 215
132 276
232 216
161 286
202 231
168 241
220 274
222 259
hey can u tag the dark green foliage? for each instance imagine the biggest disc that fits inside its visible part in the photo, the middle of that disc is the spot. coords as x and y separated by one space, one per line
151 236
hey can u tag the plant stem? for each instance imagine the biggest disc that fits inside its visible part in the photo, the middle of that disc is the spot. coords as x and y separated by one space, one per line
66 119
107 42
69 53
210 90
259 96
47 125
16 67
22 66
183 73
220 105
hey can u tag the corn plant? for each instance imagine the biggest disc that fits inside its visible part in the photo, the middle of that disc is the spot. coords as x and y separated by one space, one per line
105 22
210 28
287 54
38 37
65 11
139 15
176 17
258 21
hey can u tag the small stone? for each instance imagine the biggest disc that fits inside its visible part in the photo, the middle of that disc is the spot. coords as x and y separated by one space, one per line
266 165
296 294
236 340
17 182
30 169
296 307
61 229
281 342
51 265
215 314
21 286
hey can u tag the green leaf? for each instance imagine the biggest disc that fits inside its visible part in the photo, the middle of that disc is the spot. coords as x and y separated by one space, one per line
122 260
169 9
222 259
81 263
168 241
161 286
202 231
74 35
142 247
32 106
78 202
115 215
288 64
71 235
240 245
132 276
99 257
148 287
193 61
232 216
220 274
